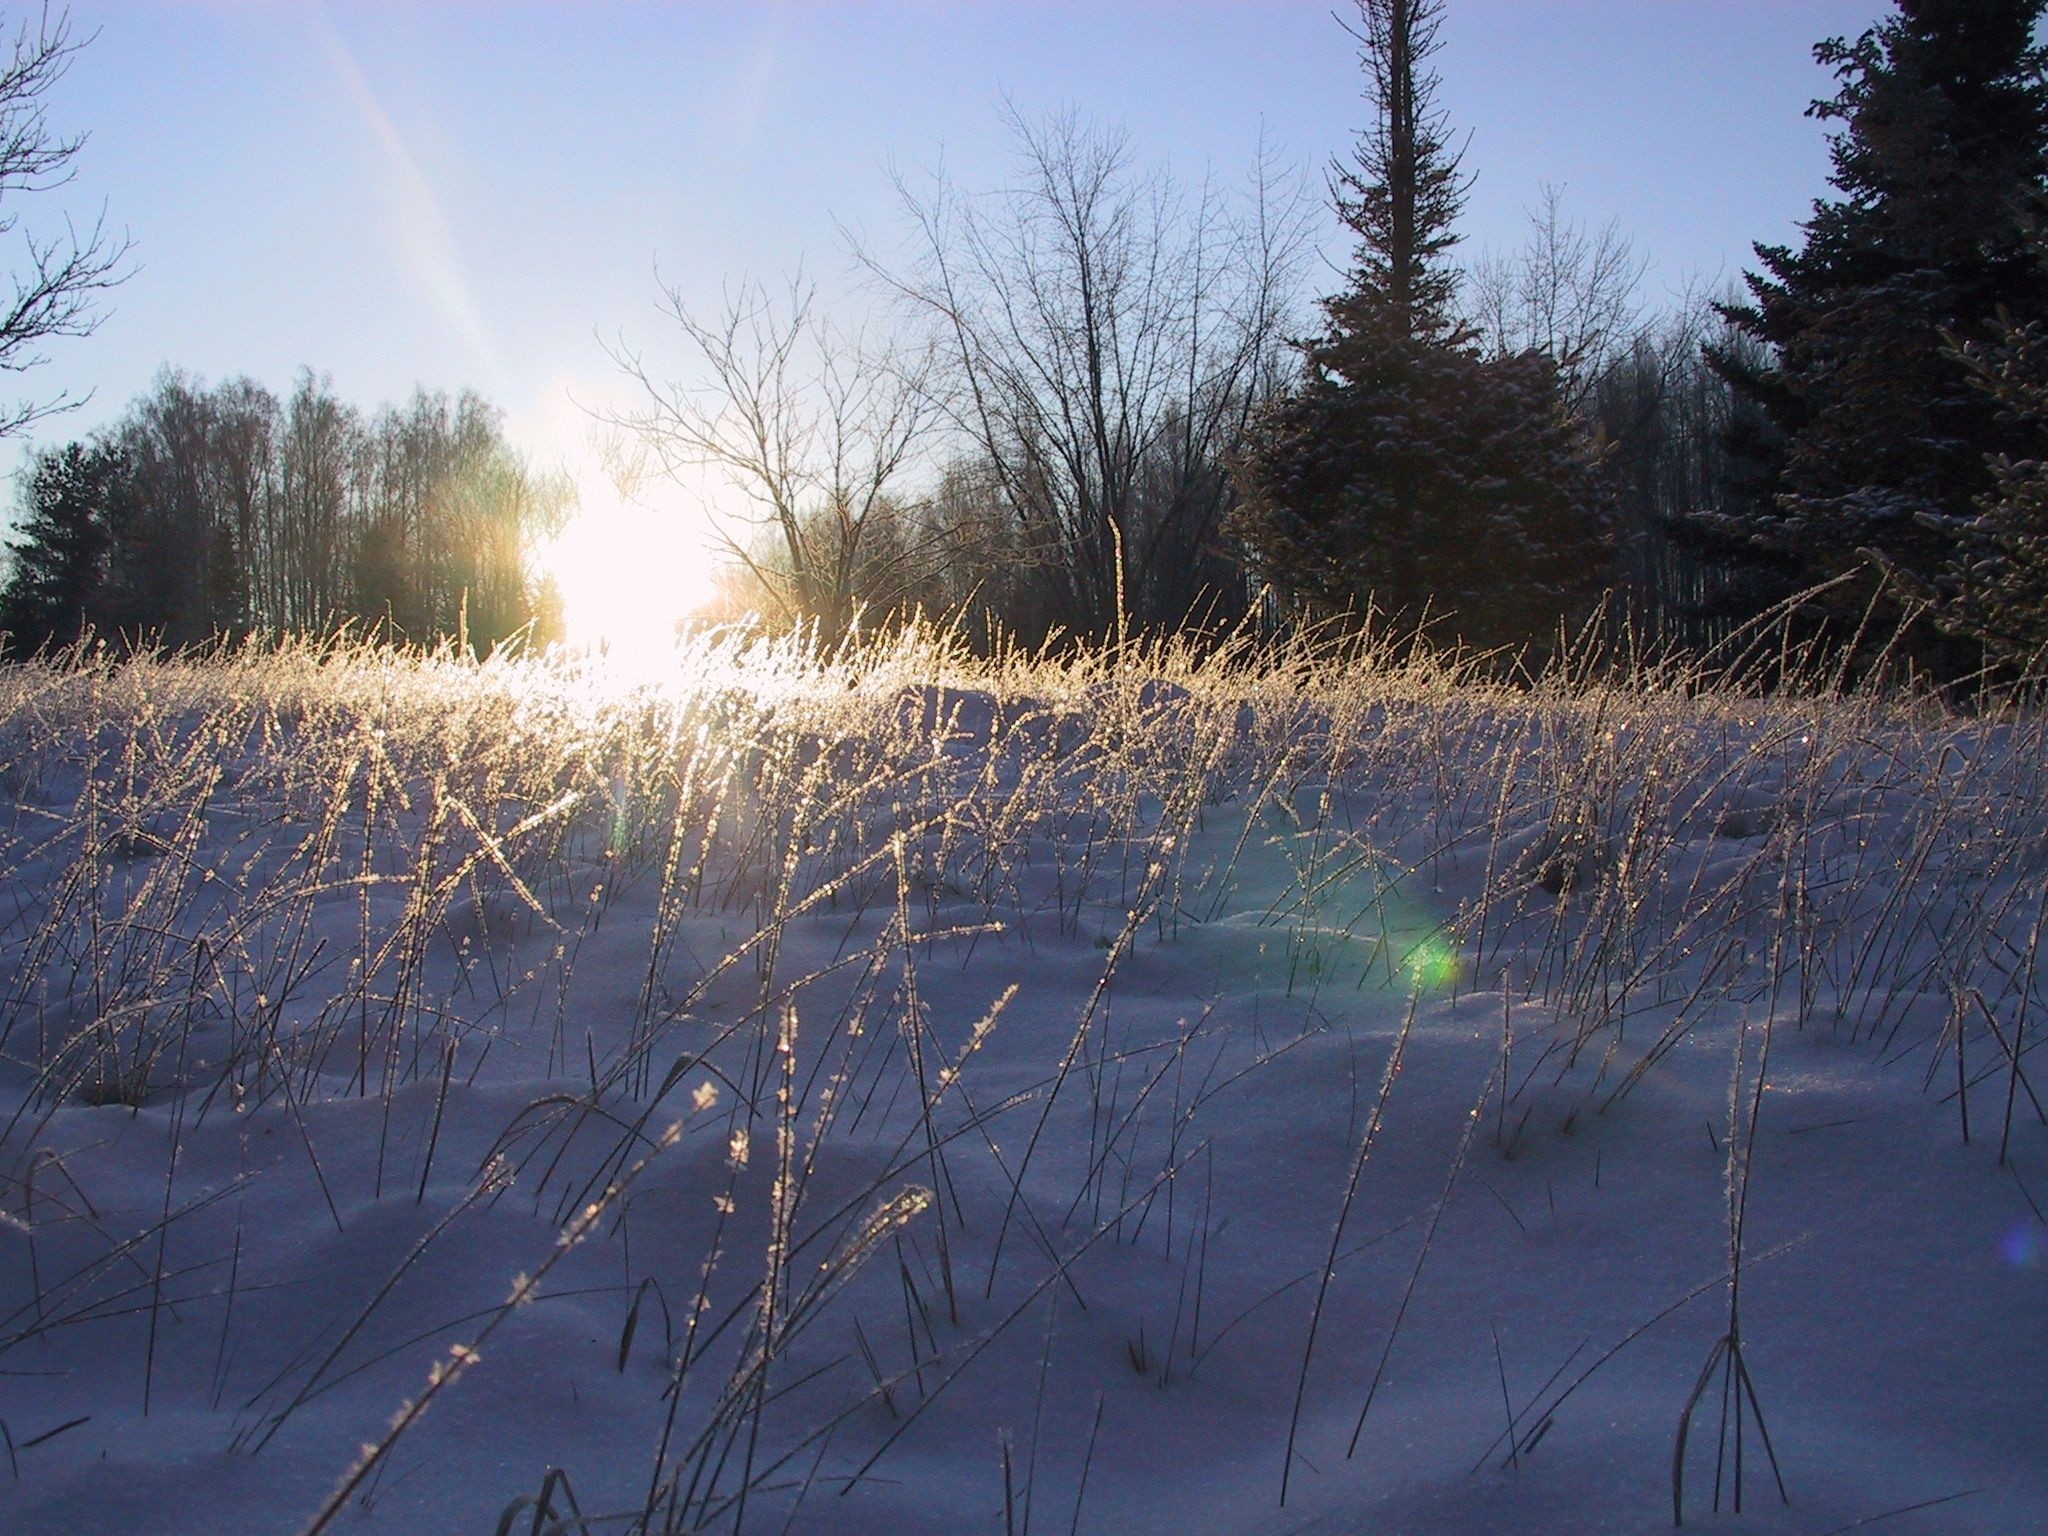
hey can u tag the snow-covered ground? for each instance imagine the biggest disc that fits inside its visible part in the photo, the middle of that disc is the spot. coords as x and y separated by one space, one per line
900 1097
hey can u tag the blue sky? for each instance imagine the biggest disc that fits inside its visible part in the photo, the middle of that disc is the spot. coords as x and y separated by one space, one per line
462 193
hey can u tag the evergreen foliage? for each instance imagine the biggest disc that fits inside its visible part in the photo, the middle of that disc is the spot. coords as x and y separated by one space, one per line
1433 483
1407 472
71 503
1880 447
1403 190
1997 581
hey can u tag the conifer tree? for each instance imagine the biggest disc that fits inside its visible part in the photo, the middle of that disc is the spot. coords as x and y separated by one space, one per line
59 556
1407 472
1884 447
1403 189
1996 585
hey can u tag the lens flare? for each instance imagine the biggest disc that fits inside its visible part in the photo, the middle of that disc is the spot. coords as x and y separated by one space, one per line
1432 965
2022 1246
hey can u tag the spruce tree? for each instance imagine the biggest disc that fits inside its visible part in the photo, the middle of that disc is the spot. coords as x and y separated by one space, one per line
60 551
1884 447
1407 473
1996 585
1403 189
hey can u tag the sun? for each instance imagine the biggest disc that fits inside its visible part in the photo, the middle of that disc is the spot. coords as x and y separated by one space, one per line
629 573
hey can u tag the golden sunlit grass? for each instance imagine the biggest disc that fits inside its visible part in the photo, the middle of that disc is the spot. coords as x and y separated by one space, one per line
303 879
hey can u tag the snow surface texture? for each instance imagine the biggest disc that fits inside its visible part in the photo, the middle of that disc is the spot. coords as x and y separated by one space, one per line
891 1097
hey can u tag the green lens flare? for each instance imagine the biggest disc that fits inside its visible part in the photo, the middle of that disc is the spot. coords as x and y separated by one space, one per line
1432 966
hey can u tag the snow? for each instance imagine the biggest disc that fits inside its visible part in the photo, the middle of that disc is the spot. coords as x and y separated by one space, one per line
1026 1031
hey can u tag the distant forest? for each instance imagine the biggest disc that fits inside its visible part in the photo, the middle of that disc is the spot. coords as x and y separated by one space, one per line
218 512
1100 409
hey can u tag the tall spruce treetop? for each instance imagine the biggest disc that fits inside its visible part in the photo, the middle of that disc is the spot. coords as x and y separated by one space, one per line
1940 161
1407 474
1401 191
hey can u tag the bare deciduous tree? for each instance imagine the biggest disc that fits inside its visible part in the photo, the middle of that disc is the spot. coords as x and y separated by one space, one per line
318 450
1102 338
1639 380
1571 293
815 428
178 559
56 279
441 512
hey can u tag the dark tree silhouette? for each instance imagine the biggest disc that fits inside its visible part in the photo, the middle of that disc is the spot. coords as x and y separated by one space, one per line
1409 472
1402 190
1100 338
57 280
1996 585
1881 445
72 502
178 570
209 512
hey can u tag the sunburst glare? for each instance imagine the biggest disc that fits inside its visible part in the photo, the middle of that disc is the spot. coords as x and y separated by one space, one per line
630 574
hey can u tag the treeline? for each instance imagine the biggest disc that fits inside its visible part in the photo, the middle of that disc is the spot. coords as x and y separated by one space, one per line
1036 556
1101 411
1857 442
1854 443
1089 404
1066 426
1033 437
221 511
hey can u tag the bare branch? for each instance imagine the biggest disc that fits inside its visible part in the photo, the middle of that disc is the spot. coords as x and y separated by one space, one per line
813 428
57 280
1100 334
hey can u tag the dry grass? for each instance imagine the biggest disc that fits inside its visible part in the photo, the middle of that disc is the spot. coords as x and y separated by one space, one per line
335 891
